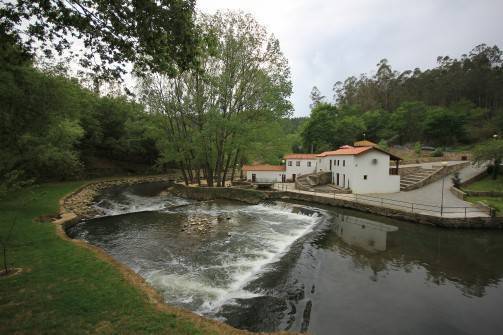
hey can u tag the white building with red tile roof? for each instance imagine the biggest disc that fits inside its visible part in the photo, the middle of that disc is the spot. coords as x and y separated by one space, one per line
265 173
299 164
363 169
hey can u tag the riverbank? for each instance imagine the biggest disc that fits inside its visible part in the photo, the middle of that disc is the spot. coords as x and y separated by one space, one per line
69 287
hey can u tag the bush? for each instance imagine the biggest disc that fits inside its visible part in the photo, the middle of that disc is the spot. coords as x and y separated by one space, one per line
439 152
383 144
456 180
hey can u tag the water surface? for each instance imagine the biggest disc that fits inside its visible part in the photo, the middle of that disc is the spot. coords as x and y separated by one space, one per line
298 267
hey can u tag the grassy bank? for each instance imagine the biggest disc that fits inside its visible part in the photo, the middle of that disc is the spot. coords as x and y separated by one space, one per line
67 289
494 202
487 184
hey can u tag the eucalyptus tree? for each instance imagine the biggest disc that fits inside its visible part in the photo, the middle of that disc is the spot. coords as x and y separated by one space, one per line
211 115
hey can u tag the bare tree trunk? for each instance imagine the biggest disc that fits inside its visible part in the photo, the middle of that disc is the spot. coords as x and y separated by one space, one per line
184 174
234 163
6 268
227 163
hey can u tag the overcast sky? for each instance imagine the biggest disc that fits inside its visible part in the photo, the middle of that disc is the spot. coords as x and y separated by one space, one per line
329 40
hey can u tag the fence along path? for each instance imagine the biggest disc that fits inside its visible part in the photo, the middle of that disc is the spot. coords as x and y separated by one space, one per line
412 207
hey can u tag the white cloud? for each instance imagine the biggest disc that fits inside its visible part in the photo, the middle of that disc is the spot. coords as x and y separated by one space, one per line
326 41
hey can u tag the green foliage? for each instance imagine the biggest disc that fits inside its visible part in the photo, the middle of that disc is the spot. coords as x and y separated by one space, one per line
49 122
153 35
383 144
438 152
459 101
490 151
228 111
486 184
417 148
330 127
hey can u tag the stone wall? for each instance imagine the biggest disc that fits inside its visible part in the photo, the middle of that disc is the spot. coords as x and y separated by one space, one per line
254 197
458 193
249 196
307 181
444 171
79 201
403 171
475 178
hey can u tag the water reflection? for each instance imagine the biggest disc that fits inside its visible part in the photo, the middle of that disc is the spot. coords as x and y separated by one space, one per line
470 259
362 233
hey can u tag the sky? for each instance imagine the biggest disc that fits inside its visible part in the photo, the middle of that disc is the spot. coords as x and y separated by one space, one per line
326 41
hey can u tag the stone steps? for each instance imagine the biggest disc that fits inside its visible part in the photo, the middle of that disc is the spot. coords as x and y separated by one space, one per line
415 177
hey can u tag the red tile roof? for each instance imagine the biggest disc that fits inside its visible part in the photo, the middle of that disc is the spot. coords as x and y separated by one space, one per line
300 156
364 143
264 167
345 150
349 150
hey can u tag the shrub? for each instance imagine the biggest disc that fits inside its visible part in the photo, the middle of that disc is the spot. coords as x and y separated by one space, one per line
439 152
456 180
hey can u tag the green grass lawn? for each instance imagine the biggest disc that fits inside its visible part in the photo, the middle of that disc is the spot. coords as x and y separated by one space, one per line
64 288
487 184
494 202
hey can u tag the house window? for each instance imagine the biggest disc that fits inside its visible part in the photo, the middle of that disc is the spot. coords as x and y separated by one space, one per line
289 163
343 162
364 177
337 162
309 164
297 163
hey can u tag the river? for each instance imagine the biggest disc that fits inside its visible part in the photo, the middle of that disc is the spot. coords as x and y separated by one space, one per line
303 267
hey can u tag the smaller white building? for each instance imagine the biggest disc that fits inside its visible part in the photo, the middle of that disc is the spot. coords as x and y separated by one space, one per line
265 173
299 164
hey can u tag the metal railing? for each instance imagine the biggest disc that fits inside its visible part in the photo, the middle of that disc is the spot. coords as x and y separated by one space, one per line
412 207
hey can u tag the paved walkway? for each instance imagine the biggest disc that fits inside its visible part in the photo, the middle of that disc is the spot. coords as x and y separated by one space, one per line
425 200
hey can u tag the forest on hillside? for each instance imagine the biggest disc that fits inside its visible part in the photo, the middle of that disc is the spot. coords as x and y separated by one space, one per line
211 92
458 102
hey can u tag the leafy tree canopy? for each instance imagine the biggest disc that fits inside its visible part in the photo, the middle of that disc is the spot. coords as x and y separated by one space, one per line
159 36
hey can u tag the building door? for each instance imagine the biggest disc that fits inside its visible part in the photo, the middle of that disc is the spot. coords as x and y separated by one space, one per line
283 178
337 179
293 177
343 180
254 177
330 165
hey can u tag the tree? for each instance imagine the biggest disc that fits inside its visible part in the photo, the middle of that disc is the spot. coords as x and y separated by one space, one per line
316 97
491 151
154 35
209 117
319 131
4 242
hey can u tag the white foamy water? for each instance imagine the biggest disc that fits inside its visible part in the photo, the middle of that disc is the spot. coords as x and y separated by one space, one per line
132 203
198 271
260 235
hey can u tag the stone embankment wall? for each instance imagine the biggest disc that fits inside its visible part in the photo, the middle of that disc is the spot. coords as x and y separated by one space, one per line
403 171
254 197
444 171
307 181
79 201
249 196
